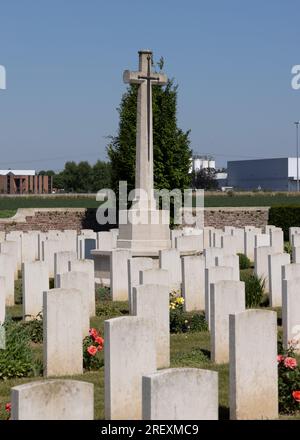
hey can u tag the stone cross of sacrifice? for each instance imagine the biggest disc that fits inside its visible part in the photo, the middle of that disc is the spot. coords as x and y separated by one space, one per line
144 134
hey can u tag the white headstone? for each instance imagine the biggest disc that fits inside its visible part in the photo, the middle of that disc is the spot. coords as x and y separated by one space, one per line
291 313
267 229
293 231
61 262
35 281
262 240
290 271
253 377
230 261
151 302
207 237
119 274
53 400
106 240
213 275
29 246
130 353
135 265
229 243
295 240
249 244
155 276
275 263
296 254
49 248
181 394
174 233
62 330
16 236
11 248
79 281
239 235
86 266
277 240
2 301
261 265
7 265
217 234
193 282
226 297
210 255
169 259
189 243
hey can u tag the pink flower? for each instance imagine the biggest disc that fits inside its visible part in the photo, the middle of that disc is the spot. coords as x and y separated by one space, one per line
92 350
99 340
93 333
290 362
8 407
296 396
280 358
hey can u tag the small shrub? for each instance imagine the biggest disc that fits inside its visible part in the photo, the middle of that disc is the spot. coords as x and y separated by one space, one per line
34 329
181 321
103 294
112 309
288 382
288 248
18 291
244 262
92 351
17 359
254 289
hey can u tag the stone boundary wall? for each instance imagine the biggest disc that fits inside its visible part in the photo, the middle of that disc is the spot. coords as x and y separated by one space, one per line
44 219
237 216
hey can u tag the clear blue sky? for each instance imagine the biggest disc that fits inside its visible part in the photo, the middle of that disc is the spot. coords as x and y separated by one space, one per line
65 58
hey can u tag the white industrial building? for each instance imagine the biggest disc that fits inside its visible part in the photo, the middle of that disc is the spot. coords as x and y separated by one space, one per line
278 174
202 162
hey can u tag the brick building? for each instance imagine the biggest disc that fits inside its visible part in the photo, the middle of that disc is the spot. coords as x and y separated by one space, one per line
24 182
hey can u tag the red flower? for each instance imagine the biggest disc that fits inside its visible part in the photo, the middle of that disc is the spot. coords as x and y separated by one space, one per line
92 350
296 396
290 362
99 340
100 347
280 358
8 407
93 333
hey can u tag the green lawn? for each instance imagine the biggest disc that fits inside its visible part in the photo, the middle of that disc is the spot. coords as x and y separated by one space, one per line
5 213
9 205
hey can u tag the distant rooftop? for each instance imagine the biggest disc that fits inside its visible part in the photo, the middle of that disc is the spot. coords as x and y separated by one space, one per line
18 172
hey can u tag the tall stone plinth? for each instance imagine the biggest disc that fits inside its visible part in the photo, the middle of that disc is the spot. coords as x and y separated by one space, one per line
145 230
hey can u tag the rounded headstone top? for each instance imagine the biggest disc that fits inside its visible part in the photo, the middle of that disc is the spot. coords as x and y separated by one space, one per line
145 51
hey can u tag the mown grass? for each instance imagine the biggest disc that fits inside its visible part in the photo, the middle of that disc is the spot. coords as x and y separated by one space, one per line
9 205
6 213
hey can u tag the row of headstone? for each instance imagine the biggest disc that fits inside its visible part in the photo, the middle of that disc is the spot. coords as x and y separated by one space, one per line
134 389
69 273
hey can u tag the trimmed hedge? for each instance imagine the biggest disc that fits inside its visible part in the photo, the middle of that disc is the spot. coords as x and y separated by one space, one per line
284 217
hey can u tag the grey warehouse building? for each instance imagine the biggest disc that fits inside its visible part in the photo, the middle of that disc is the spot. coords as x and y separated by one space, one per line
278 174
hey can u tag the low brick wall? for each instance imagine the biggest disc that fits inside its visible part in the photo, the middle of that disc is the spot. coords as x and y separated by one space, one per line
239 217
44 219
